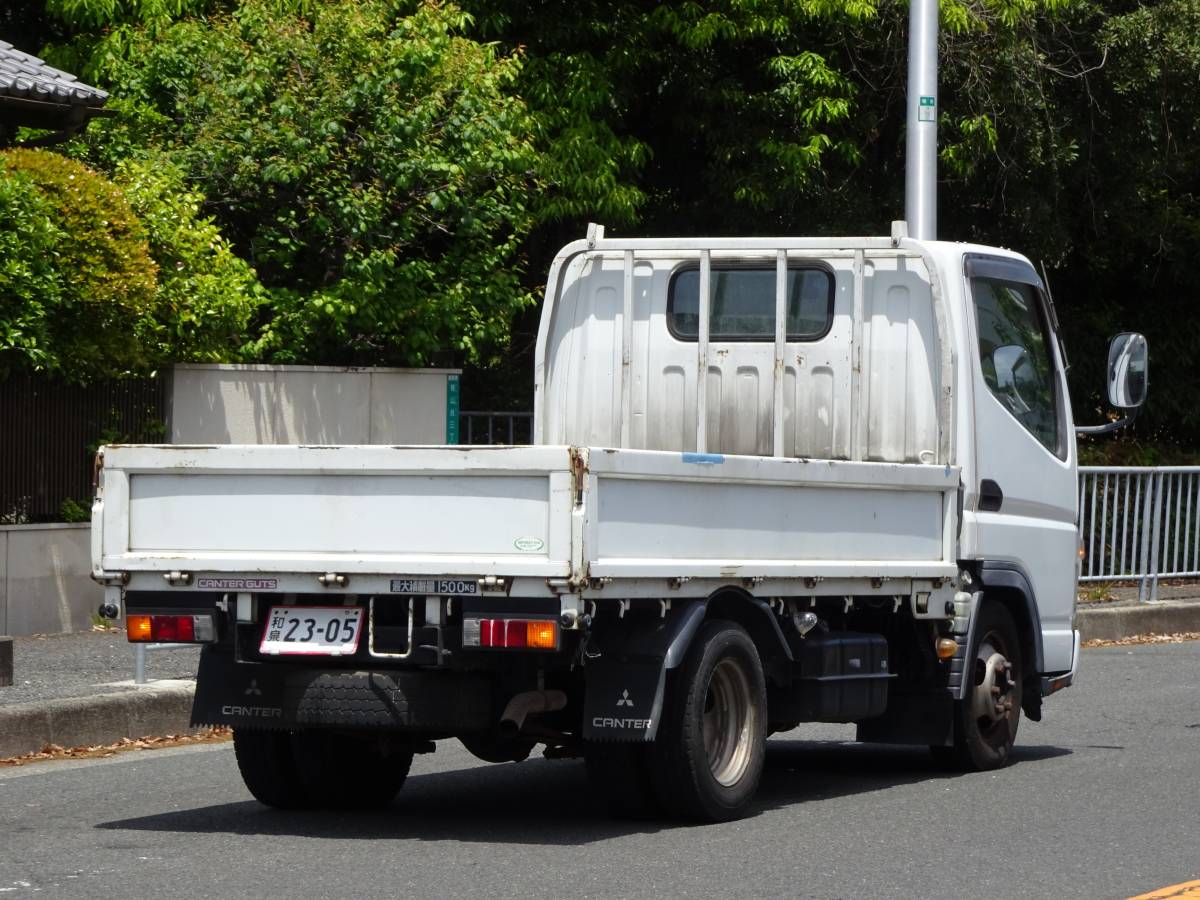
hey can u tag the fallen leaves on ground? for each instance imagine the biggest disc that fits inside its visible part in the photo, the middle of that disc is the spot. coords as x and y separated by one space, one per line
53 751
1177 638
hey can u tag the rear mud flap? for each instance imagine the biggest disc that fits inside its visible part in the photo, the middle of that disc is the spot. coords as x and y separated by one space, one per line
627 681
283 696
624 700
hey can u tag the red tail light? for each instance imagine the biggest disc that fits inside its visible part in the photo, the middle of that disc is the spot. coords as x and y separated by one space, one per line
511 634
189 629
173 629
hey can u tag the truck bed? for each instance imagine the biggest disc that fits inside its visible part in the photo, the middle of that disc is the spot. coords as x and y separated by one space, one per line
546 512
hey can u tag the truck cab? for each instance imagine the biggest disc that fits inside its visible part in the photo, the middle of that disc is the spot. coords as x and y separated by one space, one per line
894 351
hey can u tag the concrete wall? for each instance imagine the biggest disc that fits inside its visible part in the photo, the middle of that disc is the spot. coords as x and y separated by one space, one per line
45 586
211 404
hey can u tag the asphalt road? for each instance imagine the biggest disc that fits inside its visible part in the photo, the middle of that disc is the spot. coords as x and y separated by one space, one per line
1102 802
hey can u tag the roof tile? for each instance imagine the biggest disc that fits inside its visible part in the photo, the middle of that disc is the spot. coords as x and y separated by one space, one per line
27 76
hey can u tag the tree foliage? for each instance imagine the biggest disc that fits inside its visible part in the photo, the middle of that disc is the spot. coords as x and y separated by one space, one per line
371 164
207 296
75 268
101 277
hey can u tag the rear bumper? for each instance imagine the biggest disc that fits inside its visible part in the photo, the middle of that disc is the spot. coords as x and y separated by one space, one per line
1056 682
282 696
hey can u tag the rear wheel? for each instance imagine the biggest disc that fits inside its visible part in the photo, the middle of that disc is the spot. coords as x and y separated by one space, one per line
268 768
350 771
620 778
302 769
711 744
985 721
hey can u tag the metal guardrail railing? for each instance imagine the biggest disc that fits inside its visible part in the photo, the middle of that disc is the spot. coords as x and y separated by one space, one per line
490 427
1139 524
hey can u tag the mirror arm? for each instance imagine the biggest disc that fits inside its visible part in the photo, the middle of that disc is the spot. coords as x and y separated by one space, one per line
1109 426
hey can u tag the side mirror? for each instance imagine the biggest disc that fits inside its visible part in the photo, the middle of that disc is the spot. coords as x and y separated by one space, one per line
1128 363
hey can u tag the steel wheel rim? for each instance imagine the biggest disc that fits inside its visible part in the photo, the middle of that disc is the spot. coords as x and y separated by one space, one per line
728 723
992 702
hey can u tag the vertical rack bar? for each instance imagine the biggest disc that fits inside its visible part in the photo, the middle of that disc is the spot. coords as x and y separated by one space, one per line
780 344
858 418
627 351
702 355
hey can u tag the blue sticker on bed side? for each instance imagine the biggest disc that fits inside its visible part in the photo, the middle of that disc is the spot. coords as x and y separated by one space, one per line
704 459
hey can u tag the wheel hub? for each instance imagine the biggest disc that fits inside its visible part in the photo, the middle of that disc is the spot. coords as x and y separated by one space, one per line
728 722
993 699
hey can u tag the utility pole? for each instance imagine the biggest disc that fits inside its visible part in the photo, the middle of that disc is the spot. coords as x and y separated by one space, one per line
920 165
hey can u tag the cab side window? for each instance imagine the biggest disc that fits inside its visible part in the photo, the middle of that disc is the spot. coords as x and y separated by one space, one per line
1014 351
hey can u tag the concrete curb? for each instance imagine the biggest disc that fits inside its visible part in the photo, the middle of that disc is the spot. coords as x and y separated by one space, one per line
159 708
1111 622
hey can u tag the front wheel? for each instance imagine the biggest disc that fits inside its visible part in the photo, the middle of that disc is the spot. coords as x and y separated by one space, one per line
985 721
711 743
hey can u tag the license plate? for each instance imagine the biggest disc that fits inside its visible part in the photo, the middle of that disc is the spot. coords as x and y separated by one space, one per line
456 587
326 630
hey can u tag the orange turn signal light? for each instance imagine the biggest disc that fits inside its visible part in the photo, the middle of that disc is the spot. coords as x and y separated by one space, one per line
138 628
946 648
542 635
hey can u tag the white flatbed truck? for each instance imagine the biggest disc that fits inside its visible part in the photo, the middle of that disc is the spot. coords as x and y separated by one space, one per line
773 481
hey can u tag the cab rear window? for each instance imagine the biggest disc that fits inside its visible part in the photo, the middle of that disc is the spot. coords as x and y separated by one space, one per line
742 303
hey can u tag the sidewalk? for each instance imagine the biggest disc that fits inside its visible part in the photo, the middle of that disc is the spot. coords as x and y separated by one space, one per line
77 689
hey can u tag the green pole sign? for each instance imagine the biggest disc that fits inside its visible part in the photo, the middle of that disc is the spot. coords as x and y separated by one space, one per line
452 409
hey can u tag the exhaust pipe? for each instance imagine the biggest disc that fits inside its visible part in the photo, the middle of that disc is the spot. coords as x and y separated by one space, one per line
527 704
920 163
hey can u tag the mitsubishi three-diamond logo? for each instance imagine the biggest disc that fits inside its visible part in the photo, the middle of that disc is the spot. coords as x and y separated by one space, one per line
619 722
253 690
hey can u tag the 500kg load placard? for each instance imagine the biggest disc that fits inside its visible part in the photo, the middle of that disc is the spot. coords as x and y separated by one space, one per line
460 587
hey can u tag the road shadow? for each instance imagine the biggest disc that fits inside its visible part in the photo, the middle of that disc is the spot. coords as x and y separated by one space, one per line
547 802
809 771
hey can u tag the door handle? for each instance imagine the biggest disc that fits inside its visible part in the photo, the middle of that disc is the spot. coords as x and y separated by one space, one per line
991 498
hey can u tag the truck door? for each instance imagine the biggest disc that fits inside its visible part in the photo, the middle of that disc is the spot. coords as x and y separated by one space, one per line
1026 489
